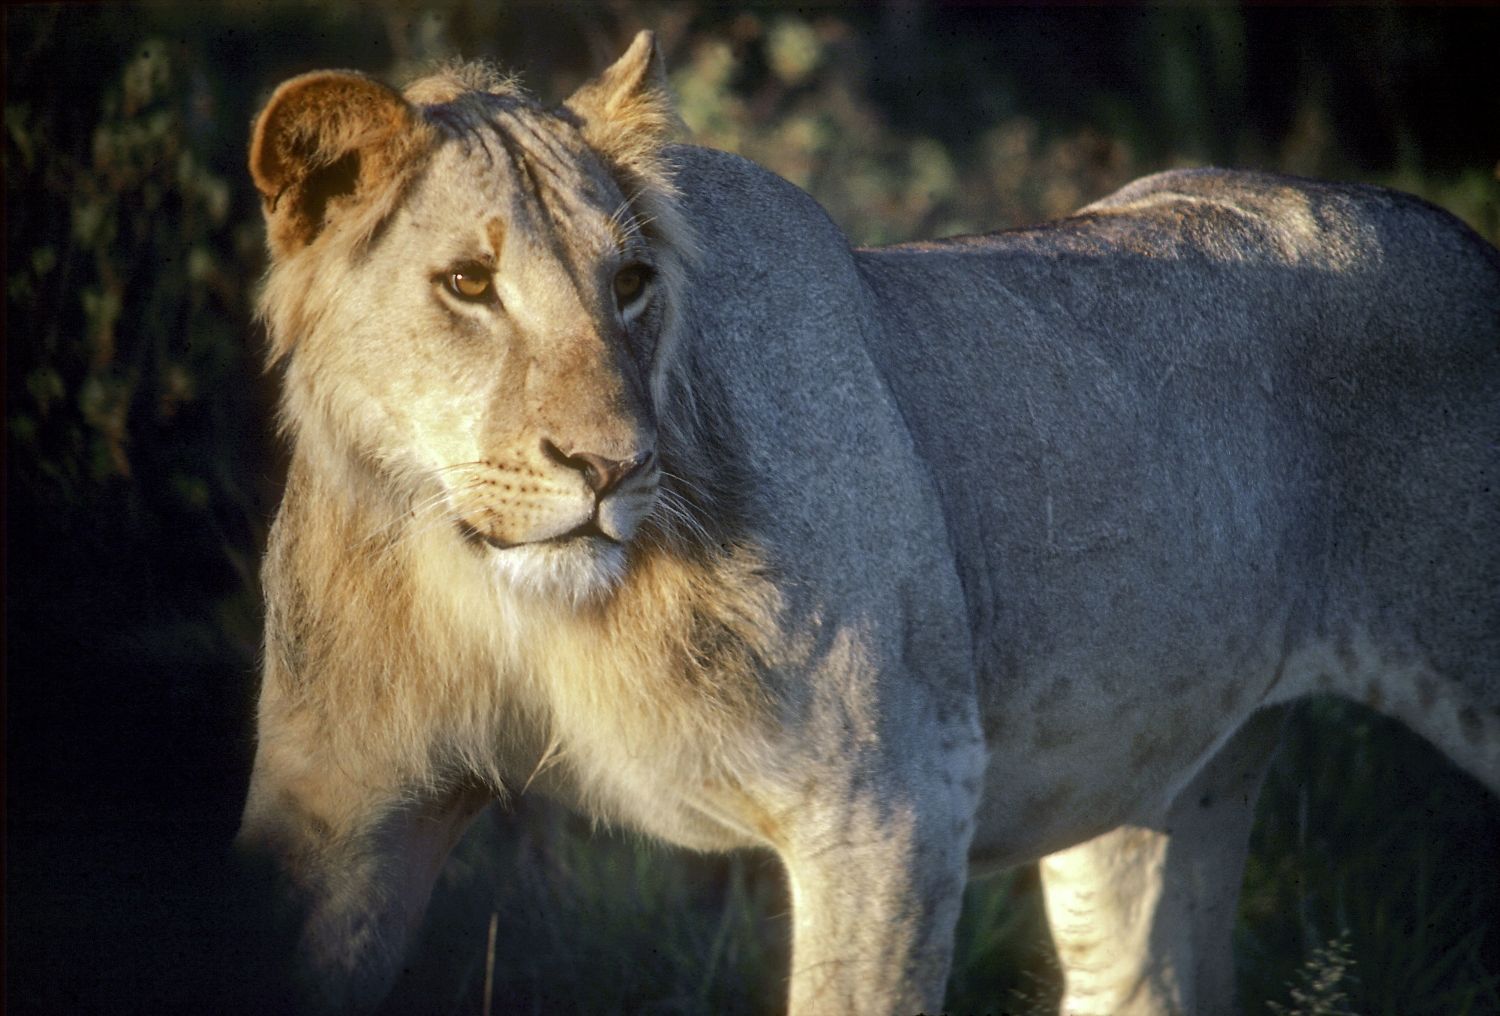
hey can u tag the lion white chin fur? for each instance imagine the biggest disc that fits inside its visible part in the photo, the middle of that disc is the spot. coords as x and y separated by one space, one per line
578 571
980 551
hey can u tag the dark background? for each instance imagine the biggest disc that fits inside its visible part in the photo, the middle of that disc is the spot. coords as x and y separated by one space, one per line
142 468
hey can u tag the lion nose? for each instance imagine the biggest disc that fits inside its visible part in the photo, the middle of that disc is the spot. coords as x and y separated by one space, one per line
601 474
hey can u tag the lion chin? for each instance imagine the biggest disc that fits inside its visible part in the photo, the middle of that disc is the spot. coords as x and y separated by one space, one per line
572 569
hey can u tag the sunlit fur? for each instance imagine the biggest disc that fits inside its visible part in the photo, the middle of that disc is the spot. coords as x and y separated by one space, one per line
410 651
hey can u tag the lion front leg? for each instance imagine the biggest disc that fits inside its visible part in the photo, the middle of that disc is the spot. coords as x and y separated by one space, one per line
353 863
1142 917
876 892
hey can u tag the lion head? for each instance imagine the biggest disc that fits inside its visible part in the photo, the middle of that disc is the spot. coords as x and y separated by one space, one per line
473 300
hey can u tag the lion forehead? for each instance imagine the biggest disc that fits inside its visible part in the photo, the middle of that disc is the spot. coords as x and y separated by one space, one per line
528 162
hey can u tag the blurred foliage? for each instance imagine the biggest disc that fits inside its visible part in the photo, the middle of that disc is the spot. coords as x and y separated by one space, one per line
789 95
1321 992
127 314
1003 960
142 470
135 414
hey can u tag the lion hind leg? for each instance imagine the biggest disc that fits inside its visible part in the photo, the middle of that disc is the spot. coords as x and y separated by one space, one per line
1101 897
1142 918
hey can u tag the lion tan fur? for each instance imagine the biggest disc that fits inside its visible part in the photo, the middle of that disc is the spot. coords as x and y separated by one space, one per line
406 678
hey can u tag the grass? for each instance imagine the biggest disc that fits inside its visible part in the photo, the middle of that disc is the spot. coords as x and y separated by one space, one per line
1323 978
592 921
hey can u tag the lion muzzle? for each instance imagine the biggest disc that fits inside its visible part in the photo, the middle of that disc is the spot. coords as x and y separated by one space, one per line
561 497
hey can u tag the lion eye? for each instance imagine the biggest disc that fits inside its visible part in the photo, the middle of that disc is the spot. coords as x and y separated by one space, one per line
629 284
471 282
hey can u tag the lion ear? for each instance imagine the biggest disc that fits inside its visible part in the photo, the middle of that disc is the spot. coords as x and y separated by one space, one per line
627 112
327 141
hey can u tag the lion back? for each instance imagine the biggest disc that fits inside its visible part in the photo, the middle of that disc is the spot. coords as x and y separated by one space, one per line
1211 410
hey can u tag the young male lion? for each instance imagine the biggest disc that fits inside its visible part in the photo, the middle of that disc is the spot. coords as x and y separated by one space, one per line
617 474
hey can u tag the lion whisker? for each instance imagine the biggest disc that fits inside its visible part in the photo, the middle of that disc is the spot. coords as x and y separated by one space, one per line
686 483
679 510
617 221
551 755
430 503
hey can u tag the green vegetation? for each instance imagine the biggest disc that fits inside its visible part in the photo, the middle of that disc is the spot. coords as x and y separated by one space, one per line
143 468
1321 992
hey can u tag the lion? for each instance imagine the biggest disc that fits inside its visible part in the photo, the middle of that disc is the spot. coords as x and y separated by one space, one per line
618 475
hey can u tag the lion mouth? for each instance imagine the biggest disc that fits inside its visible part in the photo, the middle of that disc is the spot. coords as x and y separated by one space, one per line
611 521
587 530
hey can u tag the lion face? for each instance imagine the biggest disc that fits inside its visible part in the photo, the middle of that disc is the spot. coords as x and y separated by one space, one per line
505 345
485 344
